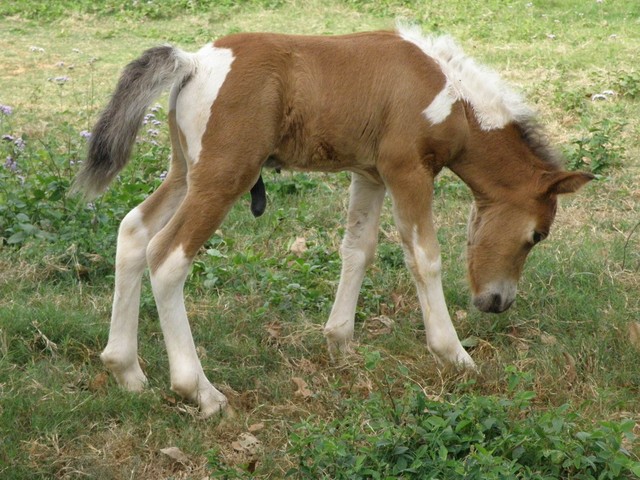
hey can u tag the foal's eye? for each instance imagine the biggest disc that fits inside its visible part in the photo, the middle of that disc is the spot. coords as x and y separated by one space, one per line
538 237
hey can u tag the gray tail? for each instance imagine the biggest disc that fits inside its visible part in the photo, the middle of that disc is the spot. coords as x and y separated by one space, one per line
113 136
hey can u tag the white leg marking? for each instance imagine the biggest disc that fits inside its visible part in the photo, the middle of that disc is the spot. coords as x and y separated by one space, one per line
442 338
422 254
120 355
358 250
193 103
440 107
187 377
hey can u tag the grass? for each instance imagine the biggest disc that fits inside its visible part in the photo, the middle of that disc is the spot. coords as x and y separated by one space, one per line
257 309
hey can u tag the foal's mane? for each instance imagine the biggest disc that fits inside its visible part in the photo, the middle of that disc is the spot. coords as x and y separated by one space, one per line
538 141
494 103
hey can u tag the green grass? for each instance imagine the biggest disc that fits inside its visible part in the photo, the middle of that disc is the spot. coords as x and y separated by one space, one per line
256 309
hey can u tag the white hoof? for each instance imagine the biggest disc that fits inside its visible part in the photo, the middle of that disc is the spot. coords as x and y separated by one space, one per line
456 357
197 389
128 374
463 361
211 402
338 340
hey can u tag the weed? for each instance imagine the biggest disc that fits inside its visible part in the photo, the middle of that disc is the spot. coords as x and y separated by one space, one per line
599 150
460 436
36 213
628 85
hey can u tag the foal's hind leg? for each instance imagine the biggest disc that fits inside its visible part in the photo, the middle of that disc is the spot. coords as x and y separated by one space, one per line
212 191
411 189
358 249
120 355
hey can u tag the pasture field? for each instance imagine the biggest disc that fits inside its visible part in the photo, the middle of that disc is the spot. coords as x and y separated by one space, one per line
559 382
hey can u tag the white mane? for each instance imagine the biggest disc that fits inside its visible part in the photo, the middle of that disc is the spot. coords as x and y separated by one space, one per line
494 103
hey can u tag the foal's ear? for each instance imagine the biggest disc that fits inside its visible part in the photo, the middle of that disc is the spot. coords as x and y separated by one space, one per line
565 182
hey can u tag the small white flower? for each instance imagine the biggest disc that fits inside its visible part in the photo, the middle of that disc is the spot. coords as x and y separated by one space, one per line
60 80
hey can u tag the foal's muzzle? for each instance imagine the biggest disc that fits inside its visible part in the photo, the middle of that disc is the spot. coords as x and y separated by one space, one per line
495 300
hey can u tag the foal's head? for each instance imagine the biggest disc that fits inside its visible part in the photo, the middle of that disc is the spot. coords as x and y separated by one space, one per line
513 212
507 163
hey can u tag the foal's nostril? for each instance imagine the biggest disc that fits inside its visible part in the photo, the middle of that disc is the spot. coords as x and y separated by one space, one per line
491 303
495 305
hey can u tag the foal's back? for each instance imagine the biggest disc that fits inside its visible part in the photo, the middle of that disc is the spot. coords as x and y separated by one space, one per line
329 102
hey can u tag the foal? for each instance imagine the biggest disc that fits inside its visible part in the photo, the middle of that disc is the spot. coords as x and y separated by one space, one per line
393 108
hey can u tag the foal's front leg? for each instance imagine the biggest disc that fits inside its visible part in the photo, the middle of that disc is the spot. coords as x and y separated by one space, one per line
358 250
411 191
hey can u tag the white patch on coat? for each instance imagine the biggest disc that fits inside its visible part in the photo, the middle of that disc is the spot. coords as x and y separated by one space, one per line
494 103
442 338
187 377
440 108
194 101
358 250
121 353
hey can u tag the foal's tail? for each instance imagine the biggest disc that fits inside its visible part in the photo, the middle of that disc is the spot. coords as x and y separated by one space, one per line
141 82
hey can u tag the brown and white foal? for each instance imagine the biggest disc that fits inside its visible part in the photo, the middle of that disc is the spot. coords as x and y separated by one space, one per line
393 108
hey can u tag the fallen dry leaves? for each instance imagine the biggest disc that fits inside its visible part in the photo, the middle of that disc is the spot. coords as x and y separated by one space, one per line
175 454
303 389
299 246
634 334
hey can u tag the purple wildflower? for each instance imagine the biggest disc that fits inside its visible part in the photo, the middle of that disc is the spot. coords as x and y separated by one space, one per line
20 143
11 164
8 138
156 123
85 134
6 110
156 108
153 132
61 80
163 175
